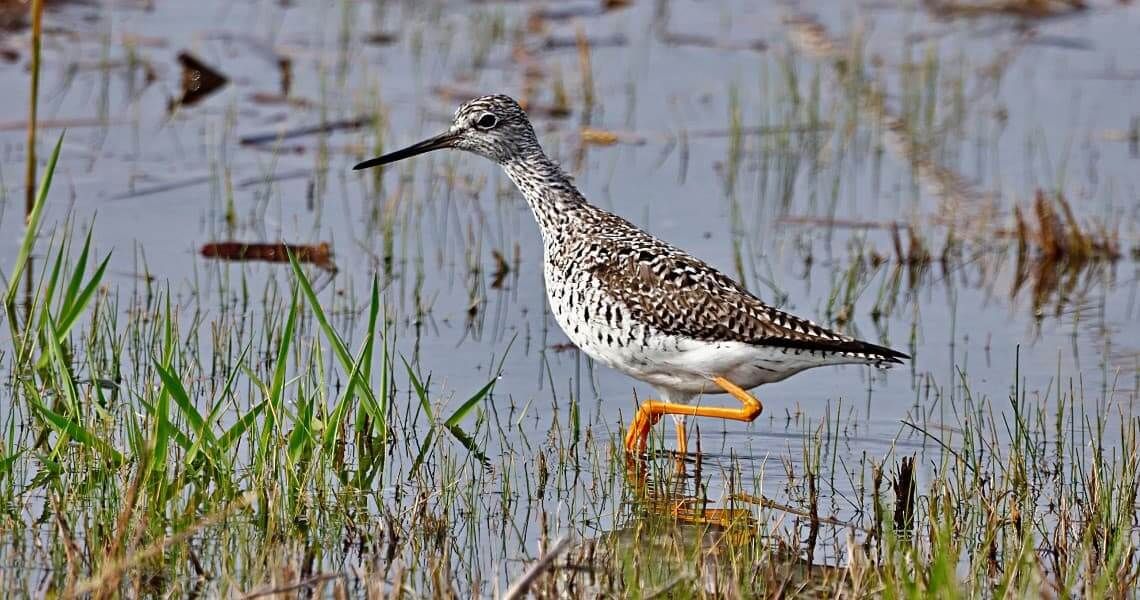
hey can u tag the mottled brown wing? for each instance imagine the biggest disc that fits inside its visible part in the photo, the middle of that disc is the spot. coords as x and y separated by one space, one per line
678 294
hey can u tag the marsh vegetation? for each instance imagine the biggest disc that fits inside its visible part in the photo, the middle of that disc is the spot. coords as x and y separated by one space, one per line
234 368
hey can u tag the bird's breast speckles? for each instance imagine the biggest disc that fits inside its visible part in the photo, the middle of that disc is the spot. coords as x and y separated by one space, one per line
589 315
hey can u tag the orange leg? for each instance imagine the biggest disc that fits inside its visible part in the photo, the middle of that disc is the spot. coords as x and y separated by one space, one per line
636 439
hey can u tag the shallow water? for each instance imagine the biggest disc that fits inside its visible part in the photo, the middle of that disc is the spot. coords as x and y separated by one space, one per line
1011 106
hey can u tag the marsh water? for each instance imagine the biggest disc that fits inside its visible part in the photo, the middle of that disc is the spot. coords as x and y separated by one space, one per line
736 134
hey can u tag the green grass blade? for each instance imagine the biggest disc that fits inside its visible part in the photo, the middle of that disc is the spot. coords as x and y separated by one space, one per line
333 424
7 463
421 392
368 401
422 454
204 437
227 389
339 348
342 405
373 315
79 303
52 282
302 436
280 369
275 394
73 308
277 385
341 408
172 431
356 381
471 402
63 379
469 442
160 438
33 227
173 385
75 431
239 428
452 423
77 274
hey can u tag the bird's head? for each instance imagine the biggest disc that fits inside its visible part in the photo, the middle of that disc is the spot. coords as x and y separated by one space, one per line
494 127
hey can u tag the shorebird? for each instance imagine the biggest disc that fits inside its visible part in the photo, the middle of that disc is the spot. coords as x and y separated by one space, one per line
640 305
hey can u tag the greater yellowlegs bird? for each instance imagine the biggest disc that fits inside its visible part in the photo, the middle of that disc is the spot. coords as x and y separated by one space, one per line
637 304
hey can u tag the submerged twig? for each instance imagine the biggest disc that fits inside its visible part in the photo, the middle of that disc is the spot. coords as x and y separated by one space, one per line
255 139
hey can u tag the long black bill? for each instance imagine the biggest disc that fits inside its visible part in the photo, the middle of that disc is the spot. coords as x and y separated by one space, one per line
442 140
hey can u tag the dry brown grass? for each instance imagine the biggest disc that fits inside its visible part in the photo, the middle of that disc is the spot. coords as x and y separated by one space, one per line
1057 235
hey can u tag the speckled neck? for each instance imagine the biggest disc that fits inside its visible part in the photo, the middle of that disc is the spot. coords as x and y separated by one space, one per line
547 189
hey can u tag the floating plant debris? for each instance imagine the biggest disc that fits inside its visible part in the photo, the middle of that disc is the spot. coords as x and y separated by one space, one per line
199 81
502 269
382 38
1027 9
605 137
319 255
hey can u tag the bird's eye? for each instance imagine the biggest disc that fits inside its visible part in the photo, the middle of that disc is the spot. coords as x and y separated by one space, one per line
487 121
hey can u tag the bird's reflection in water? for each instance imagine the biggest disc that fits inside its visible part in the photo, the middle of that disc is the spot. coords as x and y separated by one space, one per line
673 536
680 493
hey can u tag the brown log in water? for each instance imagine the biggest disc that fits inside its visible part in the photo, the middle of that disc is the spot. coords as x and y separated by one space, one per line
319 255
